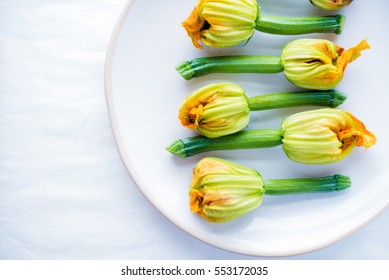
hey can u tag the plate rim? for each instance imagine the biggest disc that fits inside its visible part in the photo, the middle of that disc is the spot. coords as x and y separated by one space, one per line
110 52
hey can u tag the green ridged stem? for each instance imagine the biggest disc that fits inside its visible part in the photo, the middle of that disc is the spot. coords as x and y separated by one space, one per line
300 25
331 98
307 185
229 64
250 139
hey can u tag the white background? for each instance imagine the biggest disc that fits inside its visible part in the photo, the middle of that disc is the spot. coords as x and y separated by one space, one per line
64 193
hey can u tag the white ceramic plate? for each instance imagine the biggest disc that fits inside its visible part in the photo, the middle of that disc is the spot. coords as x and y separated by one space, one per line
144 93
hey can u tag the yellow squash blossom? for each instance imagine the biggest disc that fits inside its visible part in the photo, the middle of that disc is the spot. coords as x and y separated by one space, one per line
318 63
319 136
331 5
221 109
222 190
225 23
323 136
216 110
222 23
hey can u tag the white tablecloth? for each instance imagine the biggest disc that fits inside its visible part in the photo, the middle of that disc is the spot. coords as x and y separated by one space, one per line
64 193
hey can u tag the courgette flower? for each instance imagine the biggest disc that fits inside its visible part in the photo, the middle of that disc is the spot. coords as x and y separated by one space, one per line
319 136
221 190
323 136
317 63
225 23
331 5
222 23
221 109
216 110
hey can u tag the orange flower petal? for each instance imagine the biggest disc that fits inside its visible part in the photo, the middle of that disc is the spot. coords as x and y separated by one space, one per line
196 202
193 25
351 54
364 137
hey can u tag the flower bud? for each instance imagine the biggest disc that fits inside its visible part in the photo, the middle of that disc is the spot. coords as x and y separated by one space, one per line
222 191
216 110
222 23
323 136
331 5
317 63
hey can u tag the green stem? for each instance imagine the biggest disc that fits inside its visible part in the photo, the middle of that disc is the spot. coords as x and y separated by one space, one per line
307 185
331 98
229 64
300 25
249 139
